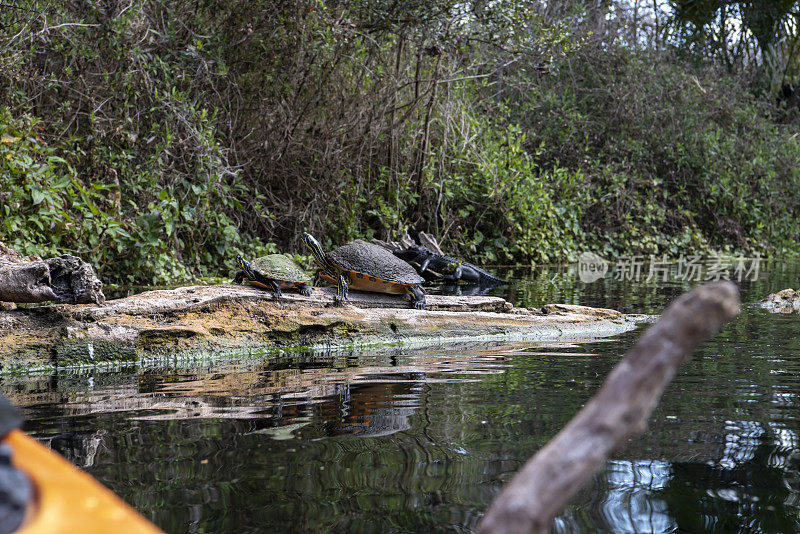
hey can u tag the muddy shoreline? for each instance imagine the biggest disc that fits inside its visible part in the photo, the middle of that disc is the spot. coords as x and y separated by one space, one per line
226 318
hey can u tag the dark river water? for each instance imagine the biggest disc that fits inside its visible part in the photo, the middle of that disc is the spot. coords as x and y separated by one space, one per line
398 440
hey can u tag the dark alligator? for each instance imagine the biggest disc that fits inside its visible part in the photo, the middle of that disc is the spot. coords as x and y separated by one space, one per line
452 269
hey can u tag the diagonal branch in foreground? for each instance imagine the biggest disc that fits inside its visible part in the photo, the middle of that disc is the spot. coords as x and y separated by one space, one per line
617 412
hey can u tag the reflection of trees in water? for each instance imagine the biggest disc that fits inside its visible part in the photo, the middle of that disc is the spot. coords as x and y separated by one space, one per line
754 485
387 447
282 388
184 472
622 500
371 410
79 448
750 483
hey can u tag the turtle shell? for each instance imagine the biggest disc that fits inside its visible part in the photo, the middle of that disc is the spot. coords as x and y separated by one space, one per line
362 257
279 267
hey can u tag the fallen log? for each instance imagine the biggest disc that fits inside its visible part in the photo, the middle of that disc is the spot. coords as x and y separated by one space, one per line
65 279
26 282
617 412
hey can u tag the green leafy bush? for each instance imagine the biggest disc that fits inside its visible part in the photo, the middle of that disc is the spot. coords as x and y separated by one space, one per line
49 209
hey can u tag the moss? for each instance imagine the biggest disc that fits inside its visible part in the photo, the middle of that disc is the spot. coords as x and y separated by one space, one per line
91 351
289 334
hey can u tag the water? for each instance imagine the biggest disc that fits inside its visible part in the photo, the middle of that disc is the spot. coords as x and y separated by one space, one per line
406 441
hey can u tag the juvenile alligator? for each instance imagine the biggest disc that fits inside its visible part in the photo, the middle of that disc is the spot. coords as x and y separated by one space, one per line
452 269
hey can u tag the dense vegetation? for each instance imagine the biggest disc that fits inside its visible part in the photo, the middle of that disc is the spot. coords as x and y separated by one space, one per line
156 138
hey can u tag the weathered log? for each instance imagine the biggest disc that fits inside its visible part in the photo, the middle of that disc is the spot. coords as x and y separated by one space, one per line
26 282
617 412
64 279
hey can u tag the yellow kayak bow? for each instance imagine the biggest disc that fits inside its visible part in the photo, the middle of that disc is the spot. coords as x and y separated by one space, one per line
68 500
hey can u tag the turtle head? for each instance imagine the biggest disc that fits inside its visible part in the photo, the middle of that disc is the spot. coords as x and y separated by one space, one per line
244 265
316 250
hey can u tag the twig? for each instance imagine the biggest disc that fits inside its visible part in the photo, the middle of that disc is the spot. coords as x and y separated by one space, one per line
20 8
66 24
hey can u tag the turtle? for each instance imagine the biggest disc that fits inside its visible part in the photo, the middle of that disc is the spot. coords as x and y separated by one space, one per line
367 267
273 271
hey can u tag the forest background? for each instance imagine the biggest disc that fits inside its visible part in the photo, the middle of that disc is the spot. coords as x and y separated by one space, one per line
157 138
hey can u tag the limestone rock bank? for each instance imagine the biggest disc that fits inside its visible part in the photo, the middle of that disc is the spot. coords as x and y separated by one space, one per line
231 317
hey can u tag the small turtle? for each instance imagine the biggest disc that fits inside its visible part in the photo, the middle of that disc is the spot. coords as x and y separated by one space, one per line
274 271
367 267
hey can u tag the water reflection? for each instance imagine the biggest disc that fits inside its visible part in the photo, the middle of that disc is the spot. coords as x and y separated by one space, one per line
627 502
399 440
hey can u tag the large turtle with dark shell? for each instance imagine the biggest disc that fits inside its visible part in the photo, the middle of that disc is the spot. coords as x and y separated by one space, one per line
273 271
367 267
